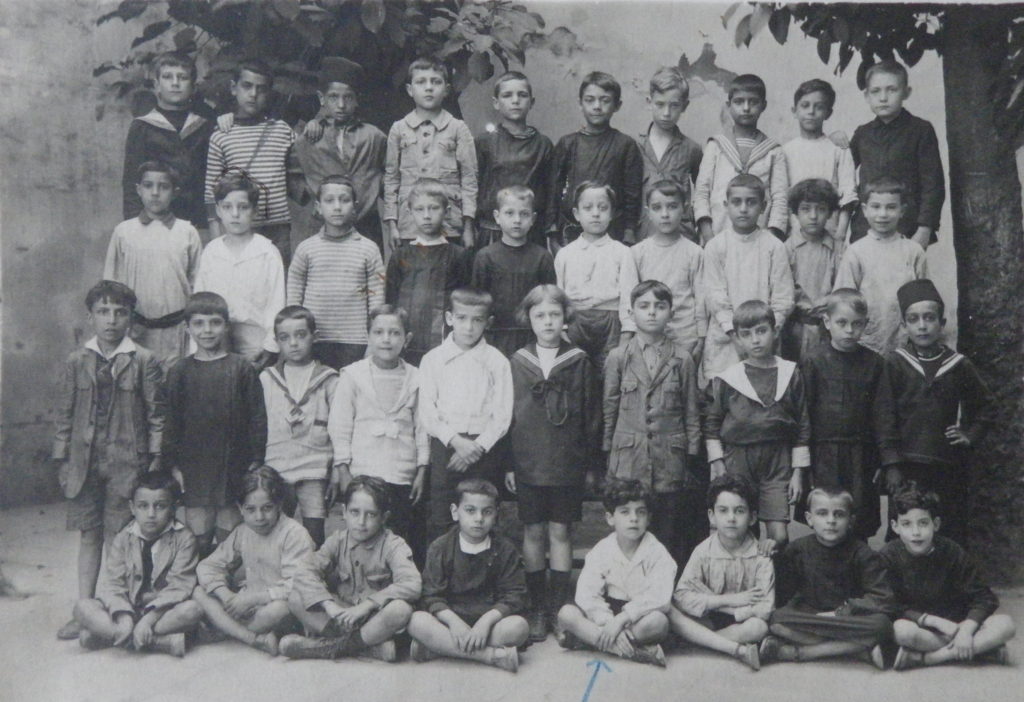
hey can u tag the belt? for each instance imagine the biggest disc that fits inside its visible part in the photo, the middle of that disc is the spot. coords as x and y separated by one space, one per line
165 322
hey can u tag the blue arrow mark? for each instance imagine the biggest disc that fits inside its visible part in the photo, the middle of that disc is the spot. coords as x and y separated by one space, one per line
598 665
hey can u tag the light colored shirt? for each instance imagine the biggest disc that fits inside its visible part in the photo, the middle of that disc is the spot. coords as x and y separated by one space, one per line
814 265
270 561
251 281
680 266
712 570
339 281
156 261
878 267
643 581
472 549
598 275
466 391
821 158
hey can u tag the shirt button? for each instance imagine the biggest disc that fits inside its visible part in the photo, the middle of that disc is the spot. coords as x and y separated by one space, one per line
650 436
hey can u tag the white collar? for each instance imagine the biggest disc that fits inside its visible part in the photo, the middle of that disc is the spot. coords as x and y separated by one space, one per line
452 350
420 241
736 377
473 549
126 346
173 525
602 240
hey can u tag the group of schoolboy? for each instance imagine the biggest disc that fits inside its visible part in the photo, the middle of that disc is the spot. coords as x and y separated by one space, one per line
737 323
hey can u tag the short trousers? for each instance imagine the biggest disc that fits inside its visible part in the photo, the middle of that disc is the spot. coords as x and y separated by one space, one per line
336 354
767 466
203 520
596 332
549 503
716 621
102 502
280 235
615 604
309 494
247 339
442 482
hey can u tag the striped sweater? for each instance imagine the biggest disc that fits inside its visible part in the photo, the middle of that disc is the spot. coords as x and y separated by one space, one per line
339 281
268 164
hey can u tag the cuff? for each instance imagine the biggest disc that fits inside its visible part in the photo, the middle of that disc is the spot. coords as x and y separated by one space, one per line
155 442
379 599
503 609
714 450
977 615
801 457
435 607
445 435
486 441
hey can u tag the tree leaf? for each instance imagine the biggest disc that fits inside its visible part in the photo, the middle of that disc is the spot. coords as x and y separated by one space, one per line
480 66
372 13
482 43
105 67
912 52
151 31
759 18
778 24
128 9
841 30
438 25
845 54
288 9
184 38
743 32
727 15
824 47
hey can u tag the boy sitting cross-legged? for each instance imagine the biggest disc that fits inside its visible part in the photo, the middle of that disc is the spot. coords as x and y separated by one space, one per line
727 590
474 587
373 583
624 590
842 603
143 597
946 612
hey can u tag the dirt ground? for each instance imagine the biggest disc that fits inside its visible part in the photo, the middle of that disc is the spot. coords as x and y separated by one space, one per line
38 556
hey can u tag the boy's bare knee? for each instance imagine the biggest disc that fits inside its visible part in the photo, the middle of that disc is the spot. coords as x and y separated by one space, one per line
652 625
757 628
419 621
568 612
1004 624
84 607
904 631
559 532
189 610
511 631
398 612
295 605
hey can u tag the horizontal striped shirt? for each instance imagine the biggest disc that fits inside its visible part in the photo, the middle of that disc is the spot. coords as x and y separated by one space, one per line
339 281
267 165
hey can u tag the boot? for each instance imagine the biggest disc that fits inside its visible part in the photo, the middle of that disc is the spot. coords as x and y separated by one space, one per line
295 646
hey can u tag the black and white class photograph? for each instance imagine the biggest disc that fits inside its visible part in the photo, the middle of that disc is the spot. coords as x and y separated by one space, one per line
511 350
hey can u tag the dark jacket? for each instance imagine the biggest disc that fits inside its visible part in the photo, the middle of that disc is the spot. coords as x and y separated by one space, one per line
735 415
504 159
840 389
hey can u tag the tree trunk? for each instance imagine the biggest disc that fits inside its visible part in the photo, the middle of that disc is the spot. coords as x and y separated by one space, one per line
989 244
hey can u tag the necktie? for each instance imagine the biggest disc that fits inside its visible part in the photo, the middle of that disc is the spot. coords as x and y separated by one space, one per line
147 569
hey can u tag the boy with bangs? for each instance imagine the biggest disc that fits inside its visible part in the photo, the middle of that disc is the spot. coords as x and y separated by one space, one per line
511 267
668 154
932 408
597 153
726 592
177 133
512 154
815 155
466 400
756 421
743 150
898 145
108 426
744 262
429 143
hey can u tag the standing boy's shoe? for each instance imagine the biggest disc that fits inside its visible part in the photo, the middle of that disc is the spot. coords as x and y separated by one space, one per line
651 654
384 651
506 658
69 631
420 653
296 646
171 644
538 621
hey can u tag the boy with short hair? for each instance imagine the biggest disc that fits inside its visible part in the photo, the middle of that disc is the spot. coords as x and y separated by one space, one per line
245 269
668 154
932 408
259 147
814 258
879 263
898 145
815 155
297 393
947 613
429 143
745 262
340 143
511 267
474 587
842 378
599 153
625 588
652 421
107 429
842 603
173 133
667 255
743 150
512 154
338 275
465 403
726 593
143 599
422 275
756 422
216 425
156 255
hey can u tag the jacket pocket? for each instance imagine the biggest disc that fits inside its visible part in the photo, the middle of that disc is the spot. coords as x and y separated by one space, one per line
630 395
378 580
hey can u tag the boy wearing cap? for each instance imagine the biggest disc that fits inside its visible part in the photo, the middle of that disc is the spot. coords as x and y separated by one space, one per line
932 407
338 142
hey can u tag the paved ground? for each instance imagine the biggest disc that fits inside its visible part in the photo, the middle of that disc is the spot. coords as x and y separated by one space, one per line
38 555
